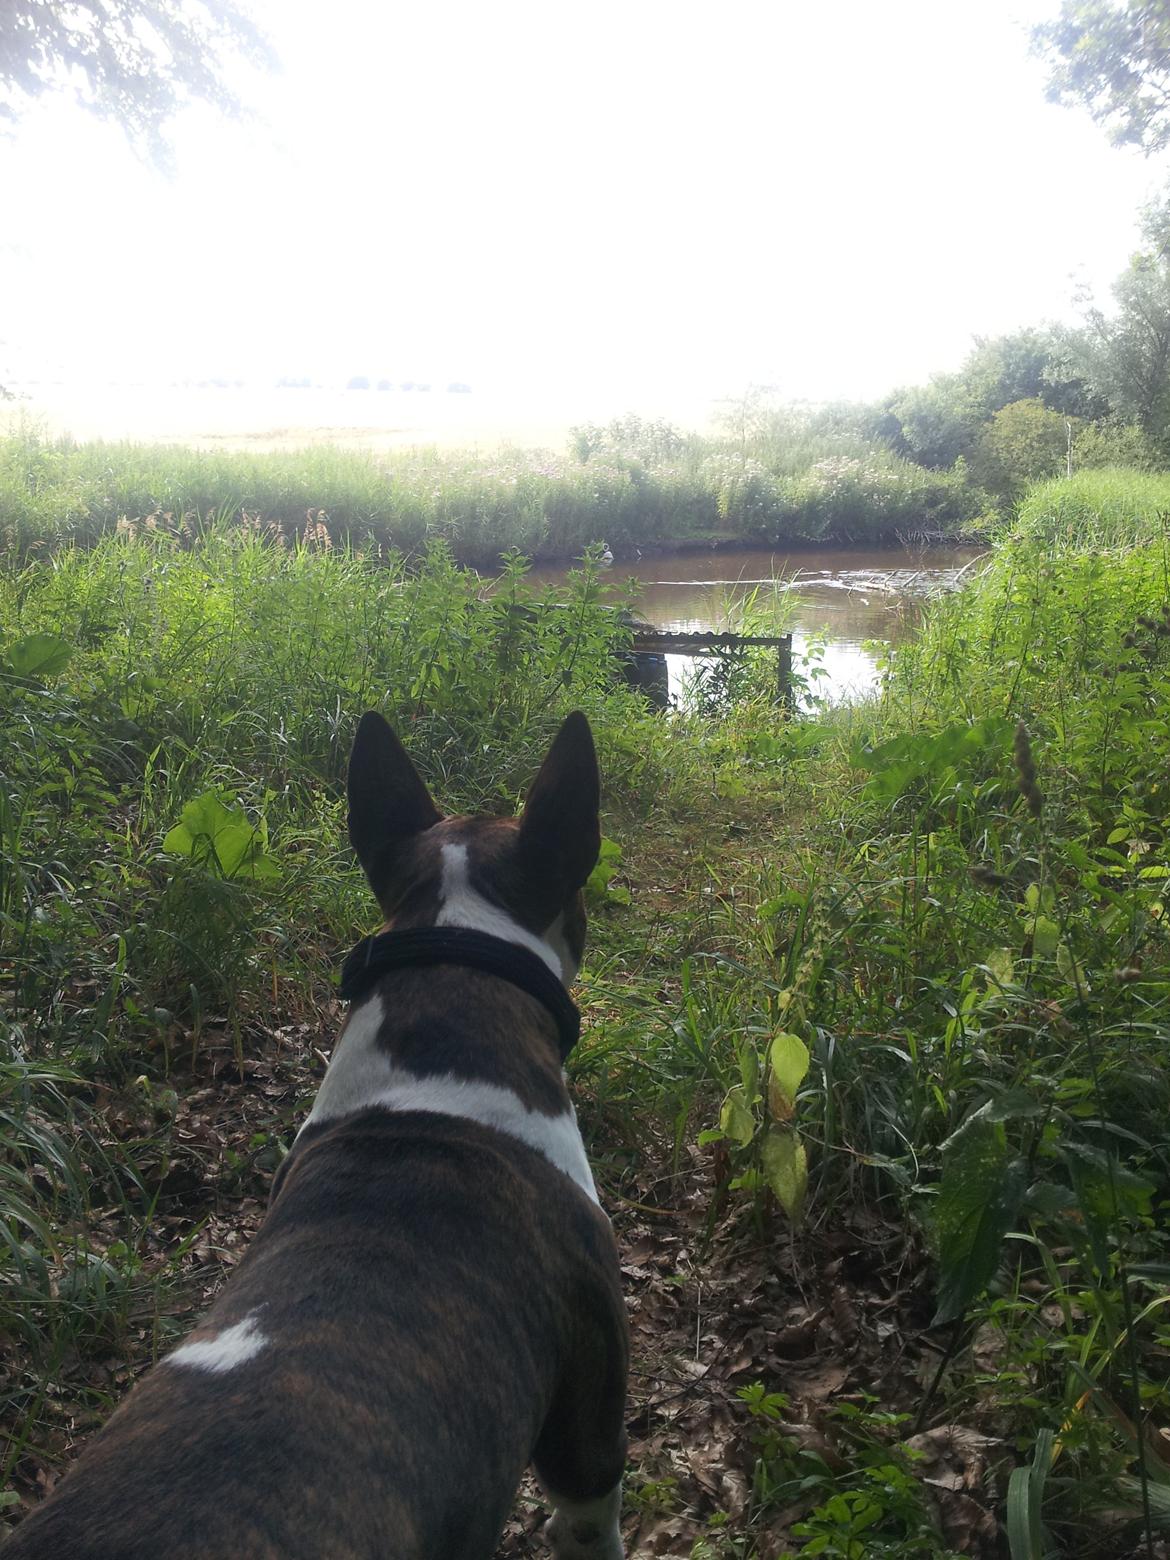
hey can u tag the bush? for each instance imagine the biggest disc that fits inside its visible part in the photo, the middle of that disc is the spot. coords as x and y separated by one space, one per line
1112 507
1024 442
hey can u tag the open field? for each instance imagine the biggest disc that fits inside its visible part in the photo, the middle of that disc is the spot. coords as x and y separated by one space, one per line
265 418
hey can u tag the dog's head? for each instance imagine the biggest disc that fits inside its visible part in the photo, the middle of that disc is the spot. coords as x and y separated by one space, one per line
517 878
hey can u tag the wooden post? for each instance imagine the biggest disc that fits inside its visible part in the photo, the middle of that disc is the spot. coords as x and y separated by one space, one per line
784 673
655 641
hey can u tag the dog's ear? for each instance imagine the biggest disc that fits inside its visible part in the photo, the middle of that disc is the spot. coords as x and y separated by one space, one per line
560 831
388 802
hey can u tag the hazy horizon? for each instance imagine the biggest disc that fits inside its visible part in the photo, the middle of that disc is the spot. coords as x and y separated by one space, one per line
578 214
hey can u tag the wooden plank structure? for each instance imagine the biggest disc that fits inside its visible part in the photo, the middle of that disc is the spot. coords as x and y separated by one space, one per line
655 642
644 664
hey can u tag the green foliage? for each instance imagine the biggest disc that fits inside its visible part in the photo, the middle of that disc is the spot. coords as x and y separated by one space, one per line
135 63
1023 443
631 484
757 1117
979 1197
1124 356
937 422
850 498
980 981
648 440
173 871
208 700
877 1507
1026 1536
1097 510
221 839
955 415
882 1514
1112 442
940 761
38 656
600 887
1112 59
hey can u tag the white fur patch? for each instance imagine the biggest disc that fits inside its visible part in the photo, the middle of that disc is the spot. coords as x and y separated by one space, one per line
587 1529
362 1075
559 943
234 1346
462 906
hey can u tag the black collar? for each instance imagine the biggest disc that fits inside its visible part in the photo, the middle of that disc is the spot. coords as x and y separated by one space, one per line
375 956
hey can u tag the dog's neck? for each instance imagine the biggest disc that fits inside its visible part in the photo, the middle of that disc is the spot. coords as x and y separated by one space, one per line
427 947
472 1045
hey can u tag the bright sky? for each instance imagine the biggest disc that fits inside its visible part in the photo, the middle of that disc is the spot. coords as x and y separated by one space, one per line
646 195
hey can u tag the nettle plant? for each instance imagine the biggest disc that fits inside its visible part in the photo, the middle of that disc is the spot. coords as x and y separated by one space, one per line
1045 1193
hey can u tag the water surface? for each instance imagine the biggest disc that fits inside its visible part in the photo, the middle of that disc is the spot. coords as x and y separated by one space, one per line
849 597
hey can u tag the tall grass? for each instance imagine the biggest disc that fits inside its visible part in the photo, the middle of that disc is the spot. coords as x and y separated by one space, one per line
1112 507
637 486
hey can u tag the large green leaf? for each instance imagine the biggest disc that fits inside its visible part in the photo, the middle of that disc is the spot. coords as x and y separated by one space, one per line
736 1119
785 1166
39 656
210 832
788 1056
896 764
983 1183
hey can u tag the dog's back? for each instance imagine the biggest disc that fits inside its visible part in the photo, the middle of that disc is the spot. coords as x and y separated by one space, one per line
433 1301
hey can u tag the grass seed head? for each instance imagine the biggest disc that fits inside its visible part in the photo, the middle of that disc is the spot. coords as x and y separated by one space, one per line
1026 770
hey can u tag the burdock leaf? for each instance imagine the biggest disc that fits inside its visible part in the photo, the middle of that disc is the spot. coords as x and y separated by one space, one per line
221 836
39 656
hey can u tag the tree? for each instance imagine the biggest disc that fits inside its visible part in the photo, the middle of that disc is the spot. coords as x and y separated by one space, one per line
1024 442
1114 59
1027 365
131 61
940 421
1125 356
937 421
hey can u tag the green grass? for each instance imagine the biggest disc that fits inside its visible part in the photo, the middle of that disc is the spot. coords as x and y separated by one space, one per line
960 930
630 484
1111 507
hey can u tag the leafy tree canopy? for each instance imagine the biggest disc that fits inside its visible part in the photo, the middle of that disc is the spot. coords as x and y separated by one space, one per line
1125 355
940 421
1113 59
1024 442
131 61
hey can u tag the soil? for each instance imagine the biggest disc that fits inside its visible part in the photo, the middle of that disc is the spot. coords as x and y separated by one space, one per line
718 1299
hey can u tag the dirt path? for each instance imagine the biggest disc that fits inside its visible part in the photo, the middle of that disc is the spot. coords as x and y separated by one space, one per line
833 1320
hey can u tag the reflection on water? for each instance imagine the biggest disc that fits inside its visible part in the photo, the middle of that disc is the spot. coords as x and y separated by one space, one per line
845 596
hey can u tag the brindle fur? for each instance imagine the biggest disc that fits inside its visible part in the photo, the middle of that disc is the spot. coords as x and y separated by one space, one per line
442 1303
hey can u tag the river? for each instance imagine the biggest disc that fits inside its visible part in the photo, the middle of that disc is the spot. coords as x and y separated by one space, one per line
849 600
